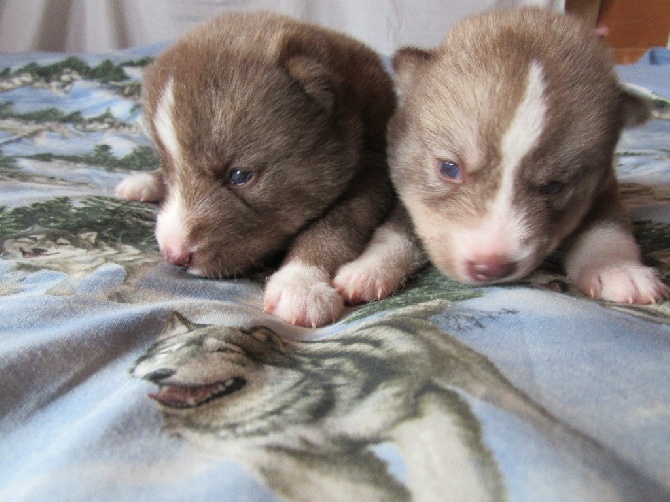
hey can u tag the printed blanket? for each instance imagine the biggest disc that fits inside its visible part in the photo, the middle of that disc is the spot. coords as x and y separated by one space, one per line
442 392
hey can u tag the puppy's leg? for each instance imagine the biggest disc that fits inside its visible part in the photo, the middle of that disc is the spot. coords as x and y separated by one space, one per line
301 291
605 263
391 256
143 187
604 260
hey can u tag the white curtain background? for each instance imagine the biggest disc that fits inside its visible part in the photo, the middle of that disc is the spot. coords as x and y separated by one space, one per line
106 25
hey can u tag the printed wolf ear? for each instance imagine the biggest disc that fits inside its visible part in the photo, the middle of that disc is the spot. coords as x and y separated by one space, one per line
634 109
406 62
177 324
298 56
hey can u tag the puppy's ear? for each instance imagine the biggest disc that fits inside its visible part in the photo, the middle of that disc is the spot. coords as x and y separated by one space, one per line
300 58
318 81
634 109
406 62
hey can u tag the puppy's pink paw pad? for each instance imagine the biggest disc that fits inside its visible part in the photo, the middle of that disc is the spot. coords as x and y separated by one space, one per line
623 283
143 187
358 282
302 295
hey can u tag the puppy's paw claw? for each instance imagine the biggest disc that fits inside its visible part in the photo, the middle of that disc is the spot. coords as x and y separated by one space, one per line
302 295
631 283
142 187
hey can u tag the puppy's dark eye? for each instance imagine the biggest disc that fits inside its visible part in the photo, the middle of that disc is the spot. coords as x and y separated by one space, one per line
553 187
238 177
450 170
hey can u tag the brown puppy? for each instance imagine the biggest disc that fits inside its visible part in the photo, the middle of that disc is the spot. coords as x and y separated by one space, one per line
271 136
502 151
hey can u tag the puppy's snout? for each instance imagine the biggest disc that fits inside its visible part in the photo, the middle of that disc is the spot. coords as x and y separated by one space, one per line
171 234
177 254
490 268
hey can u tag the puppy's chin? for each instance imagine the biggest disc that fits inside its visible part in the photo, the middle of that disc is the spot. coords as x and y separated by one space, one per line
208 272
221 266
227 264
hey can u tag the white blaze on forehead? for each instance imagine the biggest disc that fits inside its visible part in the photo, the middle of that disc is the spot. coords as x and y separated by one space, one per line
518 141
526 127
164 123
503 229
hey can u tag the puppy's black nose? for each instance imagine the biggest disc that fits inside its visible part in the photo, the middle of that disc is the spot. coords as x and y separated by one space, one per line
490 268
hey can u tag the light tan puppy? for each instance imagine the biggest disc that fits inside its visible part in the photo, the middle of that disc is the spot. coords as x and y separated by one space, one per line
272 140
502 151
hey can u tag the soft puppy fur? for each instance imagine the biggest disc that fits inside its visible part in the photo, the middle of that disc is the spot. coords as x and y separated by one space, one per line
502 151
271 137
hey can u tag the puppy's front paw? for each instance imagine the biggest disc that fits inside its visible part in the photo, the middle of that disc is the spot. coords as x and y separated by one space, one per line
302 295
381 270
627 282
364 280
142 187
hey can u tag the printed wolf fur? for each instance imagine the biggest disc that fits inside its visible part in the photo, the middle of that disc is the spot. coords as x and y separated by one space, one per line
306 416
502 152
272 140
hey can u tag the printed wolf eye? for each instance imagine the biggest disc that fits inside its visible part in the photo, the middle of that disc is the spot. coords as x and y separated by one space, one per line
553 187
216 345
239 177
450 170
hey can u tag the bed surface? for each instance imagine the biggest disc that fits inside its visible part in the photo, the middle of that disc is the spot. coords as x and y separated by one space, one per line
442 392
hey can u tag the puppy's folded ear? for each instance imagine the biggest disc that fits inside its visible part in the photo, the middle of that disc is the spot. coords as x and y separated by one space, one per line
318 81
301 58
406 62
634 109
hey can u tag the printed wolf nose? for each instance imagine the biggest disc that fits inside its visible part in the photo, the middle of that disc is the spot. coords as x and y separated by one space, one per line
490 268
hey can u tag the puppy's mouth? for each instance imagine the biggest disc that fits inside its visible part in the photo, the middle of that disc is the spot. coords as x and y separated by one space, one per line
192 396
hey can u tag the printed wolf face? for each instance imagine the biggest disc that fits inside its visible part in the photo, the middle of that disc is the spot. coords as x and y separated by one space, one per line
239 381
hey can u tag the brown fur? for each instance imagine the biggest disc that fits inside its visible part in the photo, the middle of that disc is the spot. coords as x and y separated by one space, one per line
305 105
306 109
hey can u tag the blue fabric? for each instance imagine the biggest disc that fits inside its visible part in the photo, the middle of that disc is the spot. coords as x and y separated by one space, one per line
657 80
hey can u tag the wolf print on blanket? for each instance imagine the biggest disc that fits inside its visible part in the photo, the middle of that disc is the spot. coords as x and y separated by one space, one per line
306 417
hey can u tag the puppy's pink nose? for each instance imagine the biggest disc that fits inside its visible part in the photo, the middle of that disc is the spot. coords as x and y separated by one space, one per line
177 255
490 268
